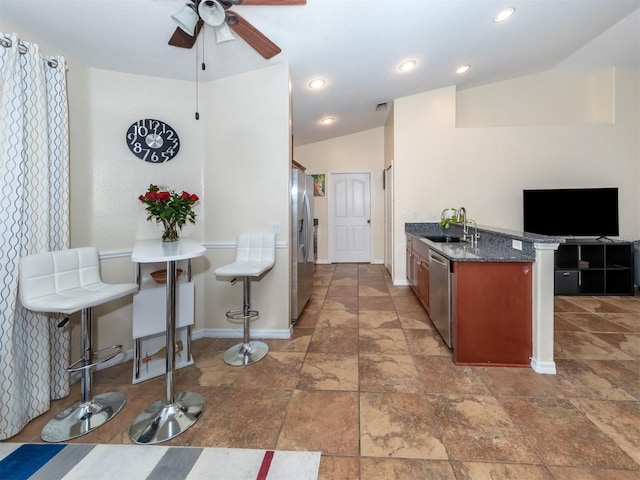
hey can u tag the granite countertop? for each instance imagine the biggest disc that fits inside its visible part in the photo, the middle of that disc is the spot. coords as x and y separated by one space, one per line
464 252
494 245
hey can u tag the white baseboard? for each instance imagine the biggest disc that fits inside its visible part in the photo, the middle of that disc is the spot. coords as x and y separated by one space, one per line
237 333
324 261
125 356
548 368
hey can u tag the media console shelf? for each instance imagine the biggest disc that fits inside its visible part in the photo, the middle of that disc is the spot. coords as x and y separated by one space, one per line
594 267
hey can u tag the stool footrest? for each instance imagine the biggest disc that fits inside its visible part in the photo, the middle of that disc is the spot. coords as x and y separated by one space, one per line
72 368
239 314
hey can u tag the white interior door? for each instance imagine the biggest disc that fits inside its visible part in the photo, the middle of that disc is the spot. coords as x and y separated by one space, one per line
350 217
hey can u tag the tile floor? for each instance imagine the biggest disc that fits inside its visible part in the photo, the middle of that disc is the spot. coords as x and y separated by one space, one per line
367 380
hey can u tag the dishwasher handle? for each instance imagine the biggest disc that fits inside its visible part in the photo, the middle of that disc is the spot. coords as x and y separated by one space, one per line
438 259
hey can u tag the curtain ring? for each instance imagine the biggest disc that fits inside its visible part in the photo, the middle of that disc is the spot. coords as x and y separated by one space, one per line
5 42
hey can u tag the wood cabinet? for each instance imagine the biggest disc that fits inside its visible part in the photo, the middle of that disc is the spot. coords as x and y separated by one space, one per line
409 259
492 313
418 269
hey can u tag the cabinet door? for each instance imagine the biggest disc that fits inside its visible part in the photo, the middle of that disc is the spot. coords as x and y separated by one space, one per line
423 282
492 319
414 271
410 265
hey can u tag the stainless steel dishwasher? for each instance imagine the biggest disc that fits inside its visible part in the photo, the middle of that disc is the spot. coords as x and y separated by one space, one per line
440 295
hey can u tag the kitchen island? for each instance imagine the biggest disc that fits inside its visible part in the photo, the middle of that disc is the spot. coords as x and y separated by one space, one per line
498 294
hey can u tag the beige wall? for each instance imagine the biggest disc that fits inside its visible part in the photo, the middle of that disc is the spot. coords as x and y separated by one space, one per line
359 152
568 99
116 177
246 179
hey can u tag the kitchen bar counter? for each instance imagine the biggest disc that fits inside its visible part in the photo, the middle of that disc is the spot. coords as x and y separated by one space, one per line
494 245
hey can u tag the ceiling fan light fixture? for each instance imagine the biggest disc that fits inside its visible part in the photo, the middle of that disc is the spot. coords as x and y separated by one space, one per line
317 84
211 12
504 14
463 69
186 18
407 66
327 120
223 33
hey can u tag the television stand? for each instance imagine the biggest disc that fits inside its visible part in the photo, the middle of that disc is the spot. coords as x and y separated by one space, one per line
601 266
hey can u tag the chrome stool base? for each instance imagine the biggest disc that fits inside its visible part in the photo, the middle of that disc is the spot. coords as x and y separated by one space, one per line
81 418
161 421
245 353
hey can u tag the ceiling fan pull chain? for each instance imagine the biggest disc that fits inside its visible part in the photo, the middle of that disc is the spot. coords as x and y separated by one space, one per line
204 67
197 113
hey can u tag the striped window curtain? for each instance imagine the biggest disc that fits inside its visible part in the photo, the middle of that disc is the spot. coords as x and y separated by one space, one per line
34 217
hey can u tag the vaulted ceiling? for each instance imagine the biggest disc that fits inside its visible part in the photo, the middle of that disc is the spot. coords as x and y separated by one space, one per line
354 45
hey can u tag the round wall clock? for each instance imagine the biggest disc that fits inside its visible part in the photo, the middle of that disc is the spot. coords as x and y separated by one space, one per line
153 141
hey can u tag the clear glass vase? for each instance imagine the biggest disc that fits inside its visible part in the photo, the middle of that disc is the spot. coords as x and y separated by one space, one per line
171 232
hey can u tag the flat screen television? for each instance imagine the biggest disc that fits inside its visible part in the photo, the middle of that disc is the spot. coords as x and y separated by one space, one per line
571 212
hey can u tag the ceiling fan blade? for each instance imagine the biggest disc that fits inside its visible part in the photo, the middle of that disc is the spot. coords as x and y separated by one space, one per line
254 37
182 39
273 2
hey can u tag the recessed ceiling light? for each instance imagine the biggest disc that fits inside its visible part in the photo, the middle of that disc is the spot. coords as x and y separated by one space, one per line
463 69
504 14
327 120
317 83
407 66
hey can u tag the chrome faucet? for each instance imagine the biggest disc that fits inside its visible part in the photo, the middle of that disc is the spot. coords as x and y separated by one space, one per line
466 236
474 238
462 219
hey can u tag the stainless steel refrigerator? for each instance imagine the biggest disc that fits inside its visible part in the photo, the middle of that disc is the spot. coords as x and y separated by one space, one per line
302 258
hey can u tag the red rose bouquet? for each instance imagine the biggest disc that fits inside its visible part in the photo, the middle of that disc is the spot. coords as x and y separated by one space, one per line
171 209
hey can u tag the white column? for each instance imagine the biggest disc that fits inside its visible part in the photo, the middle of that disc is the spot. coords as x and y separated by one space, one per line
542 360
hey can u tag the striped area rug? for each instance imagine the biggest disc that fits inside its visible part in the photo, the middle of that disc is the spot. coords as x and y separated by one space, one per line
49 461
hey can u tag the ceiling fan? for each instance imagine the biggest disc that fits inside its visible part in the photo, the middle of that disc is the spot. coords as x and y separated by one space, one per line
217 13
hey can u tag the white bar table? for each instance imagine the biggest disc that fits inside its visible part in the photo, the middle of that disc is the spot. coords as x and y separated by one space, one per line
165 419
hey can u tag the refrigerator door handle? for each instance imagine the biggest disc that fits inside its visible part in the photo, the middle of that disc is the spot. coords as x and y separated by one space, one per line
307 231
302 239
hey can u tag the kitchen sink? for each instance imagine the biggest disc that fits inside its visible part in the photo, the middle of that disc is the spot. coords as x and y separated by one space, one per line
442 238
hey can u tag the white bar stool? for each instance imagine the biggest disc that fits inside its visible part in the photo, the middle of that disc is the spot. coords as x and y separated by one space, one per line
255 256
67 281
